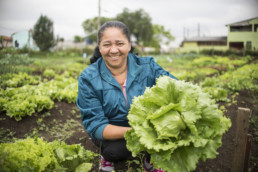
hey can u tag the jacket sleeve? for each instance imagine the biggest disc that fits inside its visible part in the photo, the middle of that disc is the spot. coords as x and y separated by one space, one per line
159 71
93 118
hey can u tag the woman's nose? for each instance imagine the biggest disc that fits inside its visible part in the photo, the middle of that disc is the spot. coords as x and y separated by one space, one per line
113 49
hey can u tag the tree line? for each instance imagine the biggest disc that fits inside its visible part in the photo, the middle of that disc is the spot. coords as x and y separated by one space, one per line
144 32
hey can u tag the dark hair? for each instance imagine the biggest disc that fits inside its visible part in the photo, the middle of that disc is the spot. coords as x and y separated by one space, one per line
96 55
116 24
110 24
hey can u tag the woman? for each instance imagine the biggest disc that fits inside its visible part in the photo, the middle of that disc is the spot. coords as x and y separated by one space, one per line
106 90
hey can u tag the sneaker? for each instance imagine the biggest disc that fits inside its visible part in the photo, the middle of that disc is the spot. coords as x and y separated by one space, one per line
149 168
106 165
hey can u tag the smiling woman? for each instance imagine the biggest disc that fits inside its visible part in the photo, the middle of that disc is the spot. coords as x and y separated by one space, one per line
114 48
107 88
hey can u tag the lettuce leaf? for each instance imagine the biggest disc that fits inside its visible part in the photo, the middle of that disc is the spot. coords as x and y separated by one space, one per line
177 124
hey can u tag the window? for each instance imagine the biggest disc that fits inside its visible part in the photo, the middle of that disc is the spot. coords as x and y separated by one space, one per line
212 43
236 45
249 45
255 27
247 28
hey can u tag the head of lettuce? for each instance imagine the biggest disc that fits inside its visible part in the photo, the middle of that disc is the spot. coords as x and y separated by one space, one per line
177 124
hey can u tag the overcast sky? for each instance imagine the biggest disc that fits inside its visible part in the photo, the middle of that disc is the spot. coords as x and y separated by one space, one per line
175 15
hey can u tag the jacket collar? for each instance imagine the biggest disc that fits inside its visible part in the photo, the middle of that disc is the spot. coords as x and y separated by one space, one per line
133 69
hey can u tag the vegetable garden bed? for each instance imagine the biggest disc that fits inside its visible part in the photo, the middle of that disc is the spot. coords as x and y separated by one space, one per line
62 121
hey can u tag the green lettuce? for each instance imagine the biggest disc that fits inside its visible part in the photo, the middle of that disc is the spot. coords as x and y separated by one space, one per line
38 155
177 124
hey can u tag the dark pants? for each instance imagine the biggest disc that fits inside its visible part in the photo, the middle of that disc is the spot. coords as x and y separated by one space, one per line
113 150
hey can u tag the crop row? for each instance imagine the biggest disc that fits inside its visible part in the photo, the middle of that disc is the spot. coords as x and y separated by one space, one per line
28 99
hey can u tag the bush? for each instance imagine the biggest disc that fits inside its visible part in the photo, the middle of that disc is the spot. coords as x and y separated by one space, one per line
88 50
229 52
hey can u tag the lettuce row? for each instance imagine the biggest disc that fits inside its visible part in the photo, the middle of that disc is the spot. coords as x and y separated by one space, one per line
243 78
28 99
177 124
22 79
39 155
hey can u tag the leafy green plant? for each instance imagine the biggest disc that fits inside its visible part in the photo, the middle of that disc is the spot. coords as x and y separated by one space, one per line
39 121
28 99
244 78
61 112
22 79
20 102
49 73
177 124
196 75
220 62
6 135
39 155
214 87
14 63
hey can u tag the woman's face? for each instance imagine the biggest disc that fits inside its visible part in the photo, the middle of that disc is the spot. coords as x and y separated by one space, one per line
114 48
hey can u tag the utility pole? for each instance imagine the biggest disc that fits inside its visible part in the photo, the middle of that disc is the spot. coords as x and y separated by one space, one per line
29 40
198 30
184 32
99 15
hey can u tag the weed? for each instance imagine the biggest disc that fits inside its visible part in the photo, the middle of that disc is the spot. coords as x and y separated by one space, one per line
46 114
61 112
223 109
39 121
2 119
6 135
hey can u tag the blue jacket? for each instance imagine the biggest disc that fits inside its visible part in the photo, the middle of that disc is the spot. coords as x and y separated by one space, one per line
100 97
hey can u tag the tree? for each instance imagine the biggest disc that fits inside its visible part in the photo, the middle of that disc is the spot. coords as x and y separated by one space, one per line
77 39
139 23
2 41
43 33
90 27
160 35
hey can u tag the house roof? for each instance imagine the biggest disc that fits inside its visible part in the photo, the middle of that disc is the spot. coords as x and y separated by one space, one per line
7 38
206 39
242 23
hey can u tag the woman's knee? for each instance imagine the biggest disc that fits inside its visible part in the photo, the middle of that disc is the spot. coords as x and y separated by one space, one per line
116 151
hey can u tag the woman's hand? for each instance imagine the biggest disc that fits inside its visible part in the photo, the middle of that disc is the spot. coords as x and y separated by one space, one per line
113 132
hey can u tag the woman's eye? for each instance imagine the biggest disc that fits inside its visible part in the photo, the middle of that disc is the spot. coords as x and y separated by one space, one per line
106 45
120 44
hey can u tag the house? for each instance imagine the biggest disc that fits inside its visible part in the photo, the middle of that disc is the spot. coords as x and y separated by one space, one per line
243 34
5 41
23 39
198 44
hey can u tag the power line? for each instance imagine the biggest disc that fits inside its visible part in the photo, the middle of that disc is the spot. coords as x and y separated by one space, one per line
2 27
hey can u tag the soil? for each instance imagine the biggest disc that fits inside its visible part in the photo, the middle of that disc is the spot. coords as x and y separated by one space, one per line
75 134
